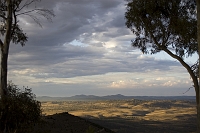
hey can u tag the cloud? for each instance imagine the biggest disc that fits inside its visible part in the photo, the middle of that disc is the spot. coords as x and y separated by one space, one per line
87 48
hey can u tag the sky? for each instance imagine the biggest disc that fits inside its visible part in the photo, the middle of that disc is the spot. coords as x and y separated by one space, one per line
86 49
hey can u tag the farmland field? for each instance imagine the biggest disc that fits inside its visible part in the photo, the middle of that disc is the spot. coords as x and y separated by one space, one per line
131 116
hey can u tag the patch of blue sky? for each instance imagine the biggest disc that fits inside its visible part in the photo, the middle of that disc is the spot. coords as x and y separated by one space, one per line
164 56
78 43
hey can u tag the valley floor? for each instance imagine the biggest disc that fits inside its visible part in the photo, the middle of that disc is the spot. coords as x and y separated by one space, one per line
132 116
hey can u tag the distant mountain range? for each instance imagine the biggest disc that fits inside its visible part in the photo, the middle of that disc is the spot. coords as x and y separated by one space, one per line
112 97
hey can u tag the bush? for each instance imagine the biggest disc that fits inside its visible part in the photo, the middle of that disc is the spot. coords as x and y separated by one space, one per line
20 109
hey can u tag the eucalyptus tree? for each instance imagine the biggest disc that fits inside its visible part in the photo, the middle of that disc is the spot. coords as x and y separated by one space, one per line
169 26
11 32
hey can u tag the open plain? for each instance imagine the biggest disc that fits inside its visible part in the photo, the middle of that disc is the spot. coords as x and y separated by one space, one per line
131 116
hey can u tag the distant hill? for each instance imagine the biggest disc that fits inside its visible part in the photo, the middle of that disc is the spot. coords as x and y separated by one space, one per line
118 97
83 97
112 97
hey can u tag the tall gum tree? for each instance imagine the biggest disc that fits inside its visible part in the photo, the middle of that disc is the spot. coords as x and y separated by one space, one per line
10 32
169 26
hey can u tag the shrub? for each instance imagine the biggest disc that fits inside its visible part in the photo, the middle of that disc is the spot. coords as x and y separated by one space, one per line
90 130
20 109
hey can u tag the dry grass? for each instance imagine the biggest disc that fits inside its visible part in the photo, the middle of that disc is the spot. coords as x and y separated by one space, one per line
147 110
151 112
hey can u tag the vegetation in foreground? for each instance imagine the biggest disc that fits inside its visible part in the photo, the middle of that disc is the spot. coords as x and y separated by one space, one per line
20 110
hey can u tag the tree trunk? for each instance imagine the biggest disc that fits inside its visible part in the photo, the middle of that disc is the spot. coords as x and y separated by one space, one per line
5 50
4 64
4 98
198 40
4 59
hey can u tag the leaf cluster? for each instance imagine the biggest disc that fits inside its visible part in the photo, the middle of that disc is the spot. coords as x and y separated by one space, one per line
160 24
17 6
20 110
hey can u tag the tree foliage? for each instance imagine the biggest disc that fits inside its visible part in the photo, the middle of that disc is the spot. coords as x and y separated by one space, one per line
10 30
169 26
160 24
22 110
16 107
17 9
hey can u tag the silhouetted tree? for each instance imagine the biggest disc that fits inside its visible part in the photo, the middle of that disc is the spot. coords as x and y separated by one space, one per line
10 31
169 26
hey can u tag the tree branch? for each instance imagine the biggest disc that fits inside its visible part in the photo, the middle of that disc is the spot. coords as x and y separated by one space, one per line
35 19
48 14
190 71
43 12
180 60
8 26
24 13
187 90
2 16
15 23
188 68
26 4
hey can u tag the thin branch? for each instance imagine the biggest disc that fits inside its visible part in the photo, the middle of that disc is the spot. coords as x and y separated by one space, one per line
2 16
166 39
24 13
35 19
46 13
15 23
16 5
165 49
195 65
26 4
43 12
187 90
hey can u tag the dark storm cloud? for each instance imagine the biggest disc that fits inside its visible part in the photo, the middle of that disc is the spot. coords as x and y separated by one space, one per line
73 61
45 55
73 18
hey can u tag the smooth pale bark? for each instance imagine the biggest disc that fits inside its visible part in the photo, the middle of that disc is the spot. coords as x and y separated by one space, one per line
198 40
